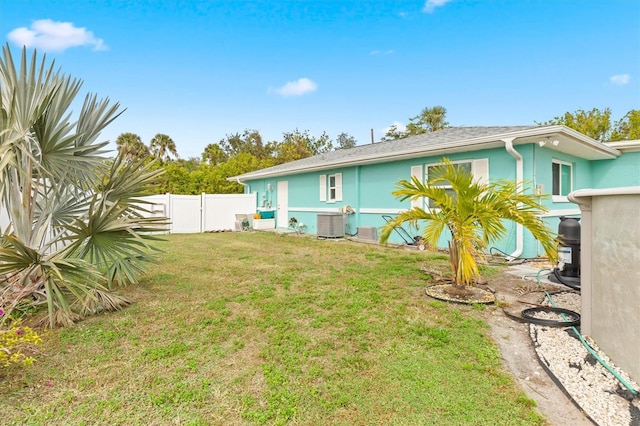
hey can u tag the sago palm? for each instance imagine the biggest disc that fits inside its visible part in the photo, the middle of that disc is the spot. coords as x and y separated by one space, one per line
474 213
77 224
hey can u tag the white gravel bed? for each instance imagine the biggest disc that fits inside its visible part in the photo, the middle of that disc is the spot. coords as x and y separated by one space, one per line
598 393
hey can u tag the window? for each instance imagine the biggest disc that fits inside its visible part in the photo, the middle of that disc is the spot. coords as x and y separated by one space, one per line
465 165
562 180
335 188
331 188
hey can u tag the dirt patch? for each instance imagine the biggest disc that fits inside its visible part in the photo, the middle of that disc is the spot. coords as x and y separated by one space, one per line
516 348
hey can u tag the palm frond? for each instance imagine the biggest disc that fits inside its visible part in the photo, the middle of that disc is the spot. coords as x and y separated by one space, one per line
472 212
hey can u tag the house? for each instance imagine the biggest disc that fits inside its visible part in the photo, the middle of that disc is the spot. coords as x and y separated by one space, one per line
547 160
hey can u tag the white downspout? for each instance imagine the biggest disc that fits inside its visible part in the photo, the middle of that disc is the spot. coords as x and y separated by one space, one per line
241 183
508 145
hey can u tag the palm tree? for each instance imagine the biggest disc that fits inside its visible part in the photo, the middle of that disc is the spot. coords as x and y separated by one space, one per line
162 147
77 223
473 213
214 155
131 147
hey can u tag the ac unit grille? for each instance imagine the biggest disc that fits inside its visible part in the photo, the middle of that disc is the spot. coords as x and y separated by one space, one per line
330 225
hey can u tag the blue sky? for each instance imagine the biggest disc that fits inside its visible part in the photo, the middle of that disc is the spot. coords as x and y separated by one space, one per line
199 70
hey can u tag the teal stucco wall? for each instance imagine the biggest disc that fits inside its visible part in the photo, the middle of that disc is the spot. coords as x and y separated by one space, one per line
623 171
368 189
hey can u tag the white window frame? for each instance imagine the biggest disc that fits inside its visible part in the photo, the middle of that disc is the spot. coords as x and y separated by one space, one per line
334 192
479 171
559 198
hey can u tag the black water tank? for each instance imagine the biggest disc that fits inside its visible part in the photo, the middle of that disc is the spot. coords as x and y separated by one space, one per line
569 250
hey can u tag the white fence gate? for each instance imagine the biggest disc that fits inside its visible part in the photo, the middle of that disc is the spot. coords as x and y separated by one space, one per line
201 213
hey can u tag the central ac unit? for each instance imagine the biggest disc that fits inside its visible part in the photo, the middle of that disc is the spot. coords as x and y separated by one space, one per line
331 225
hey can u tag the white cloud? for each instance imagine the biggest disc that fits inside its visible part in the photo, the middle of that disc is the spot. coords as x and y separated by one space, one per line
297 88
620 79
48 35
431 5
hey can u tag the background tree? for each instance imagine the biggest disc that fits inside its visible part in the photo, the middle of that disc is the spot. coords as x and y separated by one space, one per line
162 147
628 127
131 147
345 141
297 145
77 226
595 123
214 155
393 132
249 141
430 119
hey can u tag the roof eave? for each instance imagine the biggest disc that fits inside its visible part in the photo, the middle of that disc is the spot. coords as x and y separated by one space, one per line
626 146
594 150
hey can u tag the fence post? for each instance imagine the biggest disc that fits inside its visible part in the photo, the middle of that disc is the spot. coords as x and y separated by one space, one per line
203 212
169 211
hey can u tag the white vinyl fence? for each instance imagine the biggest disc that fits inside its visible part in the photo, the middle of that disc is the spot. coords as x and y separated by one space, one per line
201 213
192 213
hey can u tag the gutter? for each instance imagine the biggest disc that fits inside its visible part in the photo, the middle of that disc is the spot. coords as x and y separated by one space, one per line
508 145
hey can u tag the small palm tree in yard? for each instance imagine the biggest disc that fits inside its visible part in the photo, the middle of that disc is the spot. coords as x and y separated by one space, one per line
77 224
473 213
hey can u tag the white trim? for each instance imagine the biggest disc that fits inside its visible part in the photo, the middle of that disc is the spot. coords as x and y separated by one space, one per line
578 195
315 209
338 186
323 187
440 163
559 198
417 172
563 212
381 211
626 146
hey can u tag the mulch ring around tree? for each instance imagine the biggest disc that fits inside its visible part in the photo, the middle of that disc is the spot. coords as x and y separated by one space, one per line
443 289
468 294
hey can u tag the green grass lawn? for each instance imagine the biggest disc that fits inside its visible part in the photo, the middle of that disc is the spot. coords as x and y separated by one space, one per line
260 328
